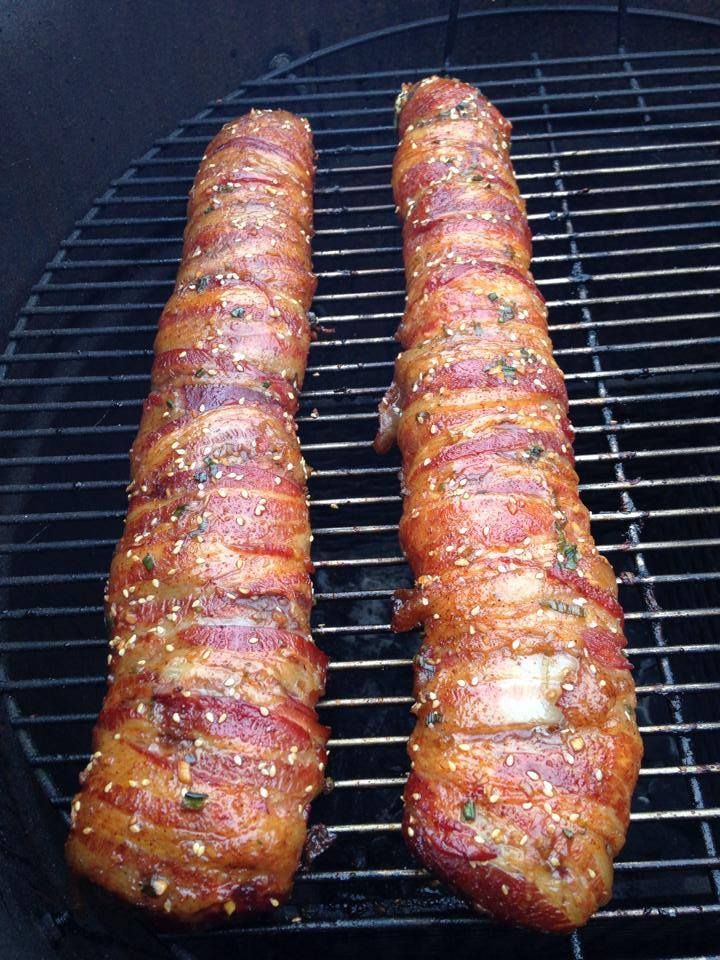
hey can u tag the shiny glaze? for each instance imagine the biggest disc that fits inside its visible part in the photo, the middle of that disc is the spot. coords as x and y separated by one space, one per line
213 673
526 750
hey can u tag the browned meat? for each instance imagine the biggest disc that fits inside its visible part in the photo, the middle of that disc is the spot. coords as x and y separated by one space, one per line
207 752
526 751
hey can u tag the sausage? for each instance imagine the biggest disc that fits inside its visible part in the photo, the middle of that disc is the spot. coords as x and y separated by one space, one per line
207 750
525 751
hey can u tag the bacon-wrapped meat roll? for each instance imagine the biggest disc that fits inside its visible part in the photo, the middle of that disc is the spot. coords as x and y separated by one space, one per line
526 750
208 752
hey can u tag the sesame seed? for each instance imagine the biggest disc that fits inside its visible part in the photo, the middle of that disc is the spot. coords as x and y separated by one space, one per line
274 902
533 775
264 711
198 848
410 832
229 907
264 793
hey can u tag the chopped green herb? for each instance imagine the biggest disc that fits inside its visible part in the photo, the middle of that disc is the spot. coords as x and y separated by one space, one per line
200 528
213 468
201 476
570 556
560 607
492 297
468 811
226 188
179 510
192 800
237 312
502 368
203 283
424 664
534 453
209 209
432 718
506 313
568 832
148 562
200 372
265 384
169 404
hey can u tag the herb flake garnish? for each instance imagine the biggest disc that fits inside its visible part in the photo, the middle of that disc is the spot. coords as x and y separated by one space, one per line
194 800
559 606
237 312
468 811
570 556
200 528
148 563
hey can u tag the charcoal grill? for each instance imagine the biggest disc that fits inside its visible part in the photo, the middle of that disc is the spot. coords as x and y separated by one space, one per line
617 155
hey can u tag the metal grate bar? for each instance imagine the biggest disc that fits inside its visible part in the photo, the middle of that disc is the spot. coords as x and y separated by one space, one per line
611 149
384 187
627 504
386 93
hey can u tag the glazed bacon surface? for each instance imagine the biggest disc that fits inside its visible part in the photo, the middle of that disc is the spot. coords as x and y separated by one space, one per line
526 750
208 752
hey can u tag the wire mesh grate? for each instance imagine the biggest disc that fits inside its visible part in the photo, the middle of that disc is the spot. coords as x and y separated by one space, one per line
617 157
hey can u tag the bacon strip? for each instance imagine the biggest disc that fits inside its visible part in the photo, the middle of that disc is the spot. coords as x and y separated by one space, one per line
526 750
208 752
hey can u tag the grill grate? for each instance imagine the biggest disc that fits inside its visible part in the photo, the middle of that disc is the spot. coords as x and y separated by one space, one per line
617 156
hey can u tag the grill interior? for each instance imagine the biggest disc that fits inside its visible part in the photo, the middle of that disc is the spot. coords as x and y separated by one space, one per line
617 157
